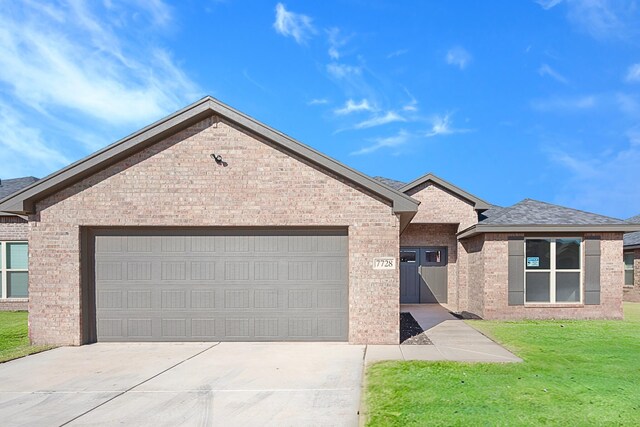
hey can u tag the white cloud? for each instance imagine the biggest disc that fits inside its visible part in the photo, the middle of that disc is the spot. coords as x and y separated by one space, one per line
399 139
633 73
336 42
341 71
291 24
443 125
353 107
565 104
601 19
379 120
628 104
459 57
20 141
546 70
412 105
397 53
605 182
318 101
251 80
158 10
77 74
548 4
597 18
79 64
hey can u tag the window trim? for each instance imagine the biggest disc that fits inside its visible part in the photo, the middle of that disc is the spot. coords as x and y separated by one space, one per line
553 271
4 270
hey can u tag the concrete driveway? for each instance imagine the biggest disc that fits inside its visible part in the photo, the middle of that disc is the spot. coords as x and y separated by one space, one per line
184 384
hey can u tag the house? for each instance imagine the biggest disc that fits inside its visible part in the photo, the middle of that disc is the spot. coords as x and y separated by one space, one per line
14 233
632 263
209 225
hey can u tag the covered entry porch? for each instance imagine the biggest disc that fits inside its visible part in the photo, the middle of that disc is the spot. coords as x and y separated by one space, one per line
428 264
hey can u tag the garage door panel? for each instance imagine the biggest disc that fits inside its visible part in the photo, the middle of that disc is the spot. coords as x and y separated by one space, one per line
221 285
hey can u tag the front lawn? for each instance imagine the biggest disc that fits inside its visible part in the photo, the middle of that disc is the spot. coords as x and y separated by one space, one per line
575 373
14 336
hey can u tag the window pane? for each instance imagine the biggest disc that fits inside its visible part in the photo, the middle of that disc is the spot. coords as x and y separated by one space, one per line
628 278
568 254
17 256
628 261
17 284
538 288
538 254
407 256
568 287
433 256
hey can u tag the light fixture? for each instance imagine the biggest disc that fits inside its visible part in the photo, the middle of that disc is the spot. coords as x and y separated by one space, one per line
217 158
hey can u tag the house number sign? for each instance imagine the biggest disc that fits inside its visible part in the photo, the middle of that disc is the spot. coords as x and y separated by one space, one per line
384 263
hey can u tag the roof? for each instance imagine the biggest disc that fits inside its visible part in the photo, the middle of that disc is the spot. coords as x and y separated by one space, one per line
23 201
634 219
477 202
529 211
10 186
535 216
396 185
632 240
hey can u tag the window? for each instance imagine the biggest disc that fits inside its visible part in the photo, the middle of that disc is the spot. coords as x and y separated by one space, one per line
553 272
407 256
433 256
14 269
628 269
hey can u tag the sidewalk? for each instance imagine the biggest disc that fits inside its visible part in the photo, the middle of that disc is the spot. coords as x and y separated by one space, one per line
452 340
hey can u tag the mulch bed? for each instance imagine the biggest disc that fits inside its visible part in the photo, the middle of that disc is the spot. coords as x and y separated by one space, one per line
410 331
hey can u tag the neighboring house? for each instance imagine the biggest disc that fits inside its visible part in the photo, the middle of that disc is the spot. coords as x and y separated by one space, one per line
632 263
14 233
209 225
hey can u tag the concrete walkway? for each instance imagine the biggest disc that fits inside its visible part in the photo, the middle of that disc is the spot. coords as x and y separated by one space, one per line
452 340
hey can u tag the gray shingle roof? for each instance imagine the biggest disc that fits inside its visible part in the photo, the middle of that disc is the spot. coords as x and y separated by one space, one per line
533 212
396 185
10 186
633 239
634 219
491 212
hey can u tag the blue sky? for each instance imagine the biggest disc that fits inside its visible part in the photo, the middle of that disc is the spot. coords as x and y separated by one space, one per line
506 99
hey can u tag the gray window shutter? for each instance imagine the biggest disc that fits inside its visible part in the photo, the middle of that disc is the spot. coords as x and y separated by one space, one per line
592 270
516 270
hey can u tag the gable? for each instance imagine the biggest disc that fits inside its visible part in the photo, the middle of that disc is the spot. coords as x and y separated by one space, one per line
176 178
439 205
24 201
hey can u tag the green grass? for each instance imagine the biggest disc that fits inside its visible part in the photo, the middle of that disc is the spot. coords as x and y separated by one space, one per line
575 373
14 336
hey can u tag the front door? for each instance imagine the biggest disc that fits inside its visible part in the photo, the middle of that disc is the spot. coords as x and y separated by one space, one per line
423 275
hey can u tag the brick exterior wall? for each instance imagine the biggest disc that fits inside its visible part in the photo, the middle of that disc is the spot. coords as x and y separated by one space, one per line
471 256
13 228
176 183
633 293
495 282
438 235
437 205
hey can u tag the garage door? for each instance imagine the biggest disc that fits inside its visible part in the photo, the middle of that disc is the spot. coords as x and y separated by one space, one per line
221 285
